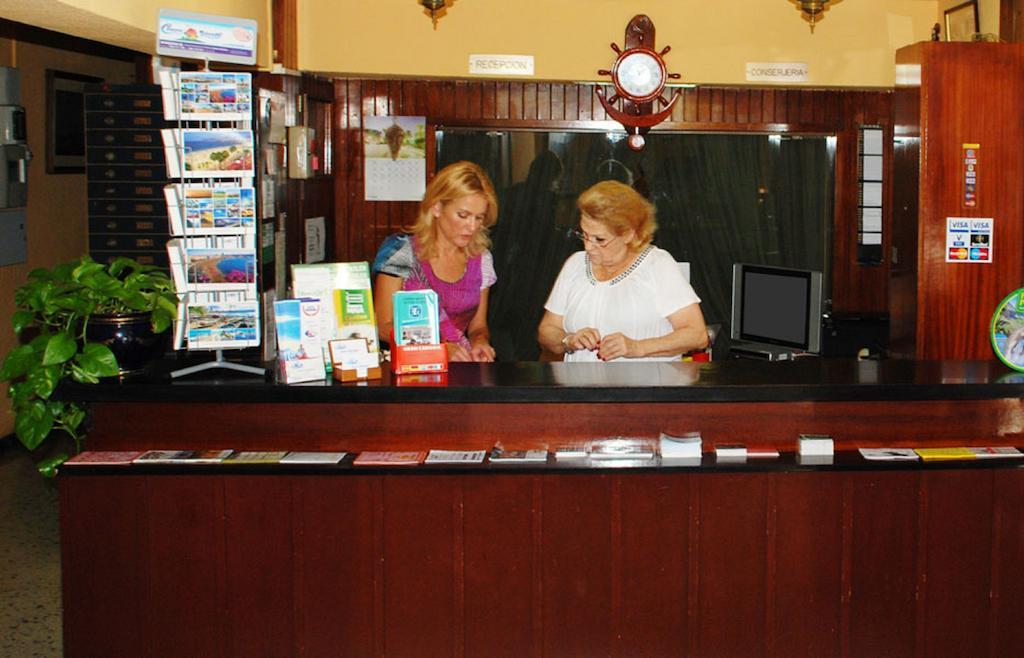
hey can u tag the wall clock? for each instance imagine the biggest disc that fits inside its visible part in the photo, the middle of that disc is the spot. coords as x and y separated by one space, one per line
639 76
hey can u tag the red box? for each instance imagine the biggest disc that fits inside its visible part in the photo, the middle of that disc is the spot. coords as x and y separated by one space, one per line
406 359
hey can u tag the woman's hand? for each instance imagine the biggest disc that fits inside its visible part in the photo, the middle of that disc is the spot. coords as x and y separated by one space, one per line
481 351
617 345
587 338
457 352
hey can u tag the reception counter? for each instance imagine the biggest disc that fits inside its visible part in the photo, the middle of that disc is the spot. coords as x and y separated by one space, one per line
768 557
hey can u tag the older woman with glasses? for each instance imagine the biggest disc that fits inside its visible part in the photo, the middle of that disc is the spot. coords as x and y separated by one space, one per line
621 297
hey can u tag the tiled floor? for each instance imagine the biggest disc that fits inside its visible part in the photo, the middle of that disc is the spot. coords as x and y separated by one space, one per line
30 612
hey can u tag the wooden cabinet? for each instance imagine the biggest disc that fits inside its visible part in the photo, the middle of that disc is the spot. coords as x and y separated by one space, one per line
126 173
767 558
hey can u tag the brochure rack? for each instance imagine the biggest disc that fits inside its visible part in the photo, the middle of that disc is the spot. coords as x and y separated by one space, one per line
211 210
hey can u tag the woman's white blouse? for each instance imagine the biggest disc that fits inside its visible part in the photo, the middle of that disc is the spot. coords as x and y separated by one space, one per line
636 303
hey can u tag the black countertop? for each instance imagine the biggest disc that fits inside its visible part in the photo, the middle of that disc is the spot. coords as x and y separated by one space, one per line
741 380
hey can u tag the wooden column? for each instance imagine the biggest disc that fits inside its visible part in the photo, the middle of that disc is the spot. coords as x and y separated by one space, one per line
969 93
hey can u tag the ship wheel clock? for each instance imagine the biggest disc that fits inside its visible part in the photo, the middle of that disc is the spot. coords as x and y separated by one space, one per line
639 76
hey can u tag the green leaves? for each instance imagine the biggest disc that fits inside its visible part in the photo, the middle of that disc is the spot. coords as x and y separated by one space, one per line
59 349
33 423
53 307
17 362
95 361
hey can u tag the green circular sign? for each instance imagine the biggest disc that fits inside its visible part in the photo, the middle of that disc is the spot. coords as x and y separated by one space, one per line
1007 330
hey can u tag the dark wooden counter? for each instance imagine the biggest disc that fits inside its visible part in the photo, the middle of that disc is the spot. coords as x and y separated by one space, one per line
763 559
802 380
862 404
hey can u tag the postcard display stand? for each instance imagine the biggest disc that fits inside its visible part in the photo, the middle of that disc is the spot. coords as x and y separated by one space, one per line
211 211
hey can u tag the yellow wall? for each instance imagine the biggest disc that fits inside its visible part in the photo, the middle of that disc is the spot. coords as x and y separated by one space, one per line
853 45
56 224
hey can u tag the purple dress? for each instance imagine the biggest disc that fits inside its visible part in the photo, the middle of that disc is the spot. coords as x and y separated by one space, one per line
458 300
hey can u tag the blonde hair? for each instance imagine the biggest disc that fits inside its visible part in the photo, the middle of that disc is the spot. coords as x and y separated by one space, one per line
621 208
457 180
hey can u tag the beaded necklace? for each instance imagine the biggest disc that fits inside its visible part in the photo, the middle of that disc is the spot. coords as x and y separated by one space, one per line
622 275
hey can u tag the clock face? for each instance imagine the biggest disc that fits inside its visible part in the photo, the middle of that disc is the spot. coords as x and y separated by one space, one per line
639 74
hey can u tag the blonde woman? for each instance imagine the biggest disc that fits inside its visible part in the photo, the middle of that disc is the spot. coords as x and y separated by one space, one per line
447 250
621 297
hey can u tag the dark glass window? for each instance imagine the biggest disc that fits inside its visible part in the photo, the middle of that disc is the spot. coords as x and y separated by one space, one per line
720 199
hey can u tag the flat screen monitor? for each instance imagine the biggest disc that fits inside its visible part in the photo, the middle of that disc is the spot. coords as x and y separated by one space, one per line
776 306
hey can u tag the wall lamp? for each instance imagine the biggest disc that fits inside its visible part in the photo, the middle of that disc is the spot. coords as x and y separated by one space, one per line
812 9
435 8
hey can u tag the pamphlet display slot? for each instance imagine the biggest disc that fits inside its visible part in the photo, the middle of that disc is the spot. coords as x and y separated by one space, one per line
418 359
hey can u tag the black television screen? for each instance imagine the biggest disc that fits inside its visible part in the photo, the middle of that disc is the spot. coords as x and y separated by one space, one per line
777 306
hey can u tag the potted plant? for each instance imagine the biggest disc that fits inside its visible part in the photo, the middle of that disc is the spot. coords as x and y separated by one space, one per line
57 313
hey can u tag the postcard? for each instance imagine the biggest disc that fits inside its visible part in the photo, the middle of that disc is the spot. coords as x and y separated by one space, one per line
217 153
215 96
211 326
210 209
221 269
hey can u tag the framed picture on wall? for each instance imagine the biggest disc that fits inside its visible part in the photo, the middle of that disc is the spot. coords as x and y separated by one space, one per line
65 121
962 21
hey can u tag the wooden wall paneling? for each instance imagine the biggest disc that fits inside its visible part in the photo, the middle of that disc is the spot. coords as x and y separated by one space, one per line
844 235
516 100
742 95
733 572
476 99
716 107
1006 632
102 559
422 559
342 142
502 101
502 574
463 109
285 33
768 106
544 101
651 592
188 594
572 102
447 101
1011 21
960 83
257 510
782 106
807 99
558 101
957 531
337 550
576 553
704 104
806 579
883 567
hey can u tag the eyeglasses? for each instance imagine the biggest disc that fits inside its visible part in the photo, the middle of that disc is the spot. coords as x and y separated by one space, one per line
597 240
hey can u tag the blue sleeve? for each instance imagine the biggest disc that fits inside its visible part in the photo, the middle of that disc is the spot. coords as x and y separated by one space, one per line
395 256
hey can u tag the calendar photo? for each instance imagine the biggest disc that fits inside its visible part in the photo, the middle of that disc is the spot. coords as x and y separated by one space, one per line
395 158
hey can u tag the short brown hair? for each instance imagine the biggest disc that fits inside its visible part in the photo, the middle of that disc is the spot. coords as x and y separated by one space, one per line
621 208
457 180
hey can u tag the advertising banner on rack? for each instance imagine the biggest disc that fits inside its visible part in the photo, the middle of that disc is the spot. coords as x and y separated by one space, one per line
204 36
